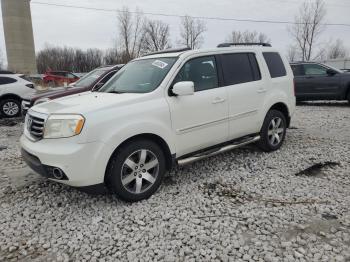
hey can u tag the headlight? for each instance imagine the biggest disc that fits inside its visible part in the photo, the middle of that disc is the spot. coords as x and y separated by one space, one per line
42 100
63 126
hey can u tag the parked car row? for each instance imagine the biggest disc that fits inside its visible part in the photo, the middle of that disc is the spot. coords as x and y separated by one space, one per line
162 110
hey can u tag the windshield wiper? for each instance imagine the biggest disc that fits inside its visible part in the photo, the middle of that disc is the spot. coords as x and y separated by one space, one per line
116 92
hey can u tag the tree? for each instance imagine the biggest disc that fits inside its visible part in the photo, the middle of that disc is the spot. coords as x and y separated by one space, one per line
130 33
155 36
68 59
308 27
337 50
191 32
247 37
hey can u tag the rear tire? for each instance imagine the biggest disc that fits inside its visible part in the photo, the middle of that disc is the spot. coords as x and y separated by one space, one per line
136 170
10 107
273 131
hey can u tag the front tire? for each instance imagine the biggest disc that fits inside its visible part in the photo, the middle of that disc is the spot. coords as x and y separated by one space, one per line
136 170
10 107
273 131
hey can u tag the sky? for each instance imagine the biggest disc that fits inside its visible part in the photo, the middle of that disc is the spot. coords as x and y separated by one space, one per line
98 29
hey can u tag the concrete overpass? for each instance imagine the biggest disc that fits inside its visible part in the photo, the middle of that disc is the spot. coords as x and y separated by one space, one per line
19 38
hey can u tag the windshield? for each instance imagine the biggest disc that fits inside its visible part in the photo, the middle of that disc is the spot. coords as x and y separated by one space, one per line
90 78
140 76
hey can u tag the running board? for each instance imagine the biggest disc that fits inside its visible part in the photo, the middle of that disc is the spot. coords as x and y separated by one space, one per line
214 152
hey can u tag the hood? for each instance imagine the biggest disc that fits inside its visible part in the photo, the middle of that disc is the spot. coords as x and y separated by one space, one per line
85 103
55 92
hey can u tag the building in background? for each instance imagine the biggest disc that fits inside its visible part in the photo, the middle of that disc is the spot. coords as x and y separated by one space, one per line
19 38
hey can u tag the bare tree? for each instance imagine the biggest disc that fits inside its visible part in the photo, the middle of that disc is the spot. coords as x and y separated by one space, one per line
130 32
191 32
155 36
247 37
337 50
69 59
308 27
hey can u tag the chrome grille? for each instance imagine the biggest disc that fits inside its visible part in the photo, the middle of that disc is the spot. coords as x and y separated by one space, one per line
35 126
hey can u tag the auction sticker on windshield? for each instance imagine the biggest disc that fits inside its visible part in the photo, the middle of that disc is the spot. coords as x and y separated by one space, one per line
160 64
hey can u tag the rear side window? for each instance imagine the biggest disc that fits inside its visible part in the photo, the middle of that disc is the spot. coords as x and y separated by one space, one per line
275 64
240 68
7 80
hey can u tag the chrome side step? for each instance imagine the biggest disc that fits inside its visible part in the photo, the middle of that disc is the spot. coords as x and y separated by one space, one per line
209 153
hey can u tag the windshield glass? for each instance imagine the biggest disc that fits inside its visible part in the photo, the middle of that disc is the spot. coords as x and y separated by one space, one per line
141 76
90 78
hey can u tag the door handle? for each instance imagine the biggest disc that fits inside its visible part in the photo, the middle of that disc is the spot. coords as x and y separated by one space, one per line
218 100
261 90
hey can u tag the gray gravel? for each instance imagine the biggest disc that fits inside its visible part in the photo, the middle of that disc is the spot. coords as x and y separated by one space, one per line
240 206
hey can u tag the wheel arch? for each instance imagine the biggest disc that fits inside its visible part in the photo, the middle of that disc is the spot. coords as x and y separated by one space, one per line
10 96
147 136
283 108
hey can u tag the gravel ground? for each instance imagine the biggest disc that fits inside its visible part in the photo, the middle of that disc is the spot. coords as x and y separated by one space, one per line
290 205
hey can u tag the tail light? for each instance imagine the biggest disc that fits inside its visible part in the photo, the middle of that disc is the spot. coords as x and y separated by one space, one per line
30 85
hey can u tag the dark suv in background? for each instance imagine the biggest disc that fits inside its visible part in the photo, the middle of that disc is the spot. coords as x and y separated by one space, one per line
93 80
315 81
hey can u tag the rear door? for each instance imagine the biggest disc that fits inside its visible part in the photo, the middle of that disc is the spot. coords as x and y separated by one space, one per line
301 87
318 84
246 91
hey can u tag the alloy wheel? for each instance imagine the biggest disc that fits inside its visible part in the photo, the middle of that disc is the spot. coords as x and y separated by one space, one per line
276 131
10 108
140 171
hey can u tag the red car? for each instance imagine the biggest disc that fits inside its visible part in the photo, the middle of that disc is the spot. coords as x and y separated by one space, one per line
59 78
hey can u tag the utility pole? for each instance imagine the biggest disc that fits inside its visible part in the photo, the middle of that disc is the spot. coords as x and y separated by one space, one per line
19 38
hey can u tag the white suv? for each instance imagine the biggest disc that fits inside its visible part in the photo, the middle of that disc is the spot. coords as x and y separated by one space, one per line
167 108
13 88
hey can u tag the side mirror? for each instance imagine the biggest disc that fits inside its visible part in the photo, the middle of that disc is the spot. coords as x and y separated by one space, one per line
184 88
331 72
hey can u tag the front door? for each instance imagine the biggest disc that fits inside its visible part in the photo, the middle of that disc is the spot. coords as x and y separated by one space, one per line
199 120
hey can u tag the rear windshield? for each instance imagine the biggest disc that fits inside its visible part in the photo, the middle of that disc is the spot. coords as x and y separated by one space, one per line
275 64
140 76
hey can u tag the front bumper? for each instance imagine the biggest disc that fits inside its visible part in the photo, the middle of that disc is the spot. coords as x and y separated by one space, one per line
83 165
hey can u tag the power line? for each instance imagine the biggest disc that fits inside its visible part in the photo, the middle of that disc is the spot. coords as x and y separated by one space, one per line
182 16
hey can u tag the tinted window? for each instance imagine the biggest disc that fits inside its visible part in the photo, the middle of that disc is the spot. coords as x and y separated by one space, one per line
201 71
275 64
7 80
240 68
314 69
298 70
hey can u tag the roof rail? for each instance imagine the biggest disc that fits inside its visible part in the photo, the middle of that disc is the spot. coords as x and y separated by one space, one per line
171 50
244 44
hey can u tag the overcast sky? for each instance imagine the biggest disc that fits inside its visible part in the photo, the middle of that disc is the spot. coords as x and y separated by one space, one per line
97 29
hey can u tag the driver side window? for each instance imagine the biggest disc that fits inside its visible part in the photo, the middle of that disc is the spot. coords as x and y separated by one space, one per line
313 69
201 71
